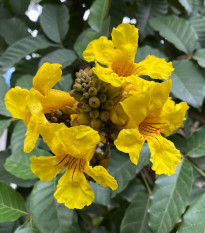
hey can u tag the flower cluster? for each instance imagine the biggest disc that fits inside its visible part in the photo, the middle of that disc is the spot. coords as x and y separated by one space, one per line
109 104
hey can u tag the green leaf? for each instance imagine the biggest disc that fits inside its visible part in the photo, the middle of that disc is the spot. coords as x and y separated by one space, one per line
196 143
4 87
146 10
3 110
102 194
18 136
176 30
53 217
169 198
29 227
122 169
19 7
12 204
188 83
97 15
25 81
65 84
8 226
194 218
13 29
143 51
200 57
198 23
117 12
63 56
88 35
21 48
136 217
4 123
190 5
18 164
54 21
6 177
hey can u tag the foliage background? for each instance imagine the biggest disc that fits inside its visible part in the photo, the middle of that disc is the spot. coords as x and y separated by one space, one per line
144 202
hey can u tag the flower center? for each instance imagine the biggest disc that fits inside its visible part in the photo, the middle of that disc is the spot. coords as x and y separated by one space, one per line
123 69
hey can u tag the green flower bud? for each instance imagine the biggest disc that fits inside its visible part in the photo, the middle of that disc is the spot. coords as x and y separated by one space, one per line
85 85
102 98
92 91
82 100
86 108
94 114
90 73
86 95
76 94
108 105
104 116
91 84
103 138
96 124
103 88
54 119
94 102
77 87
78 75
84 118
58 114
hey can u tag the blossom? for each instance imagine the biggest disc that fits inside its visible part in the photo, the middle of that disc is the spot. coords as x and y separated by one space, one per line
73 148
151 113
31 105
118 55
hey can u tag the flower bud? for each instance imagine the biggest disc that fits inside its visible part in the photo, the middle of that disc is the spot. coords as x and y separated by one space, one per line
104 116
94 102
94 114
77 87
91 84
102 98
86 95
84 118
58 114
92 91
86 108
78 75
54 119
108 105
103 88
96 124
76 94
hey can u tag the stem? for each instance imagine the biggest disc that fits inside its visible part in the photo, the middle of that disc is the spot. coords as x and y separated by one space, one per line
108 9
146 183
194 165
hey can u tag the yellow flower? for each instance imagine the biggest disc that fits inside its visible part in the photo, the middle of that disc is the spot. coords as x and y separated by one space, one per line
151 113
73 148
118 55
31 105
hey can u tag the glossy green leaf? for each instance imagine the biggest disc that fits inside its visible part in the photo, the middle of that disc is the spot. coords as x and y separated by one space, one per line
4 87
97 15
198 23
190 5
4 123
194 218
13 29
65 84
200 57
19 7
3 110
188 83
12 204
8 226
18 136
21 48
136 217
18 164
177 31
53 217
63 56
117 12
196 143
146 10
54 21
169 198
25 81
28 227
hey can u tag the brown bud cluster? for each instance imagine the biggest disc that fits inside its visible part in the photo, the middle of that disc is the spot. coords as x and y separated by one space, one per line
59 116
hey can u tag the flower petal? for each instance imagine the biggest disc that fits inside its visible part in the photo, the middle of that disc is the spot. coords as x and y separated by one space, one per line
164 156
74 191
16 104
46 168
125 38
101 176
107 75
173 115
47 76
130 141
156 68
56 100
100 50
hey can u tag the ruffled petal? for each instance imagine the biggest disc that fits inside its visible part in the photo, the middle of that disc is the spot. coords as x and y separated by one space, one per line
125 38
107 75
173 116
164 155
74 191
46 168
130 141
16 104
156 68
47 76
101 176
100 50
56 100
